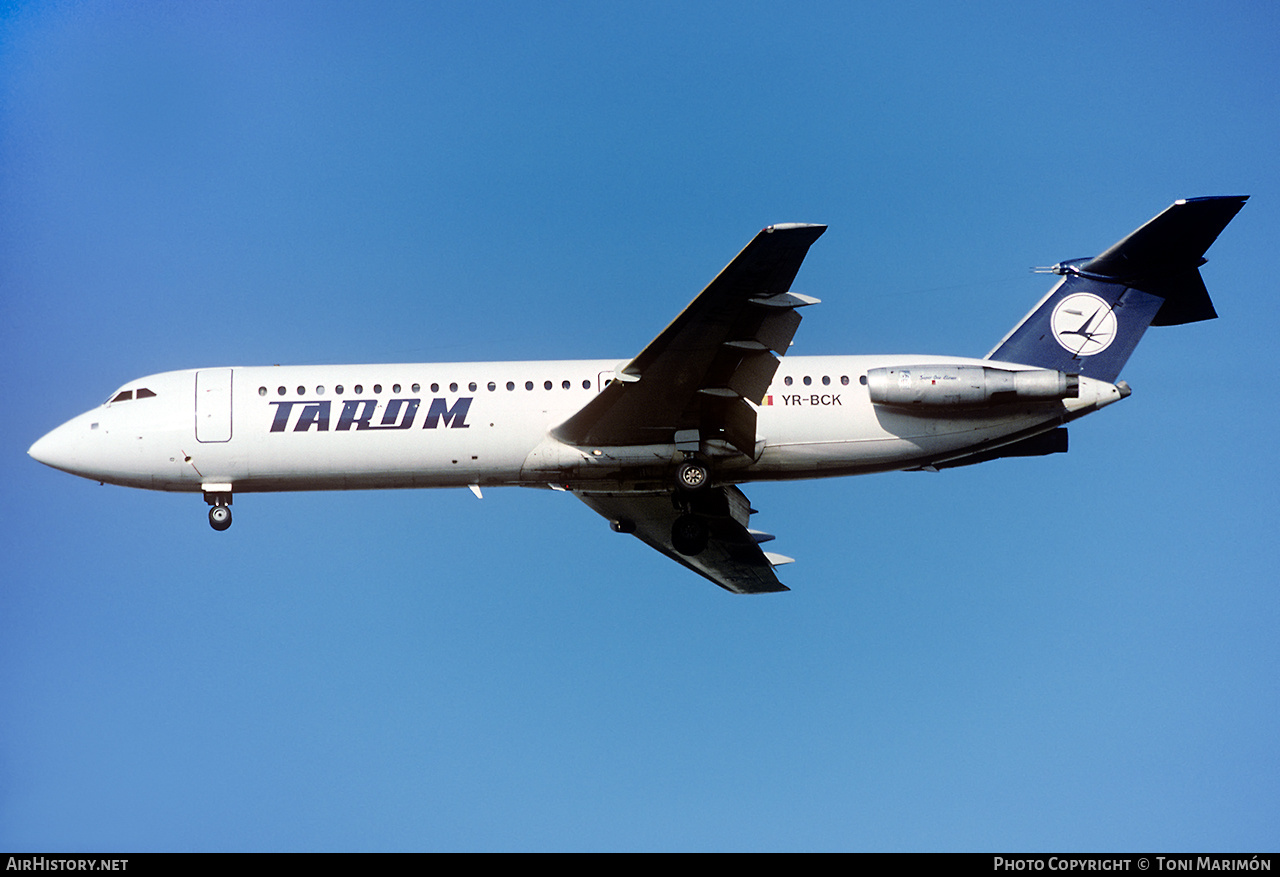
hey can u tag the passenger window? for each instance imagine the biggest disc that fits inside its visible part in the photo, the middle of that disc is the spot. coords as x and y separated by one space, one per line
807 380
511 385
338 389
586 384
302 391
453 387
546 385
417 388
565 384
528 385
320 390
826 380
844 380
262 391
435 388
359 389
787 380
377 388
280 391
492 386
472 386
395 388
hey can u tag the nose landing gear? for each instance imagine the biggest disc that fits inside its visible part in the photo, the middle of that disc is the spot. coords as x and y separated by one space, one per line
219 517
218 496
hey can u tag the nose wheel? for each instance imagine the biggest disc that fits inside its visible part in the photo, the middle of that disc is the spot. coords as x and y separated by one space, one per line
219 517
218 496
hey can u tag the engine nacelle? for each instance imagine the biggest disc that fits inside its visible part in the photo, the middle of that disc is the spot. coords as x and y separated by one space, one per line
967 386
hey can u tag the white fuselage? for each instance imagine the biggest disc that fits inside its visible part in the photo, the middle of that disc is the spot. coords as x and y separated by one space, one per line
488 424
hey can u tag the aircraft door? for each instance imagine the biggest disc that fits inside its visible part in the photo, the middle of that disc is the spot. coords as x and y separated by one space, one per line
213 405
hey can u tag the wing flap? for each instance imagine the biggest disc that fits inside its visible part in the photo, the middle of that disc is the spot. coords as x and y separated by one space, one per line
775 329
749 376
729 419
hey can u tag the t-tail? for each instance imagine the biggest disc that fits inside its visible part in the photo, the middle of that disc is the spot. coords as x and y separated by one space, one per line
1091 321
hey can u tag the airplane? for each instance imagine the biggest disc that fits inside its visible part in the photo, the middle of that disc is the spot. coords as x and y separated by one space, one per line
658 444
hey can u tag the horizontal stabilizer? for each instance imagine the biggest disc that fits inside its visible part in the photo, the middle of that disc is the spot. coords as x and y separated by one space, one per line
1163 257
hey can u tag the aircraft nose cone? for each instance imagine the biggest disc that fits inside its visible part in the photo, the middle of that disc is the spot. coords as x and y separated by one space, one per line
40 449
55 448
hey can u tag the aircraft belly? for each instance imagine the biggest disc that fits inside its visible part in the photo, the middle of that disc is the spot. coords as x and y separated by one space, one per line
888 443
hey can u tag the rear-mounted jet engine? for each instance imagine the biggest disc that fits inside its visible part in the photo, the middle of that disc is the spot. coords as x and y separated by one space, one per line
967 386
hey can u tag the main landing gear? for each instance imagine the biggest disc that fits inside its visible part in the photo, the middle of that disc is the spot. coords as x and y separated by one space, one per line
696 509
692 475
691 531
690 534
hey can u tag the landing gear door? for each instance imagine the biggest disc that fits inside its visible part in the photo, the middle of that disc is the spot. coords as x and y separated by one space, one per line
213 405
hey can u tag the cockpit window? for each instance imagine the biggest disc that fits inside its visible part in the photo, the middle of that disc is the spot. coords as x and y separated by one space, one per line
126 395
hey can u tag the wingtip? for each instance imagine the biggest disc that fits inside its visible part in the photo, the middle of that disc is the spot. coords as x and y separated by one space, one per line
1239 198
789 226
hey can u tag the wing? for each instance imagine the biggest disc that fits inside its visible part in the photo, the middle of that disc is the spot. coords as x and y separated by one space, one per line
698 375
730 554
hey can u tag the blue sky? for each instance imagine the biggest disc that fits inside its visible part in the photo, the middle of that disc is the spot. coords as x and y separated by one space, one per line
1075 652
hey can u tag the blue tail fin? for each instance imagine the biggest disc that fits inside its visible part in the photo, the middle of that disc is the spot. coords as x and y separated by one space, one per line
1090 322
